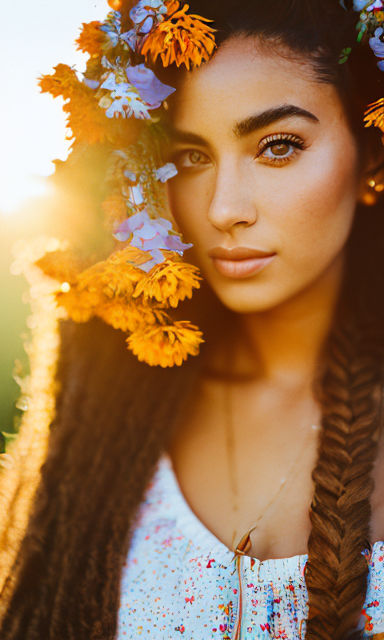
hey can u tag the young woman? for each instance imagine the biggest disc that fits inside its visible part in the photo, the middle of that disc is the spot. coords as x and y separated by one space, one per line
241 494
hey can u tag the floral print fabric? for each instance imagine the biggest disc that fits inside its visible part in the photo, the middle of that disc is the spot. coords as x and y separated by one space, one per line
179 580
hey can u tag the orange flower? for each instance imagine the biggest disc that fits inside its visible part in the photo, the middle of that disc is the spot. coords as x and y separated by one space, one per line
60 83
106 288
168 282
374 114
86 120
180 38
130 256
91 38
165 345
115 277
126 316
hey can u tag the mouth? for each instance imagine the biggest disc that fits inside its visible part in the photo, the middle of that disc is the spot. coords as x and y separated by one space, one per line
240 262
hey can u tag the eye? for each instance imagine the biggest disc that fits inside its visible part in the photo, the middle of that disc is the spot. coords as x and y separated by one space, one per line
190 159
279 148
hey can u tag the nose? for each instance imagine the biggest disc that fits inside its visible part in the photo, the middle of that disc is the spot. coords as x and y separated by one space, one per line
231 203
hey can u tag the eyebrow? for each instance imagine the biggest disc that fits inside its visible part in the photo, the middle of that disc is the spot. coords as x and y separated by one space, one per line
248 125
269 116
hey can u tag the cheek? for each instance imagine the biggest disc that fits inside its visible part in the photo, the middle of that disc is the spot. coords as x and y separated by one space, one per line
316 205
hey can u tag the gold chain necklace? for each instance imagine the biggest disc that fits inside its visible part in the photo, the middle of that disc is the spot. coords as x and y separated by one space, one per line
244 544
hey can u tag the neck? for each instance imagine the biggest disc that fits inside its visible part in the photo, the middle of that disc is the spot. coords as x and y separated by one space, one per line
283 344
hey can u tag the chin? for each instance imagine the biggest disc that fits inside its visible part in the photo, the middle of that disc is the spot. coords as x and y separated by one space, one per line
249 301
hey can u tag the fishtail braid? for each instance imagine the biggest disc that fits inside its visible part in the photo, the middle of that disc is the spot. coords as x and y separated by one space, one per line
337 569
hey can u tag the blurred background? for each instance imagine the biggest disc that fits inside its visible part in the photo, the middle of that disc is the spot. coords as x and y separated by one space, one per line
36 36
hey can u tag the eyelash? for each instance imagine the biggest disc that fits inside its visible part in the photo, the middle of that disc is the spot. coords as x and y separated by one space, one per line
268 142
287 138
177 158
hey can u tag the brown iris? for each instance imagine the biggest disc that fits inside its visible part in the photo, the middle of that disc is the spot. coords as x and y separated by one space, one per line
194 157
280 149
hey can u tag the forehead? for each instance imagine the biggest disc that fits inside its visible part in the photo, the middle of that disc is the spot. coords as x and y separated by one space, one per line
247 75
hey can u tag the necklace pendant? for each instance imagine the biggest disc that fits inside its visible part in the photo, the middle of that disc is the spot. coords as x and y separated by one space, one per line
244 545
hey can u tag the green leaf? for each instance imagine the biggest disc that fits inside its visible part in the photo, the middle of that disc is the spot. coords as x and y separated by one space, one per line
344 55
363 29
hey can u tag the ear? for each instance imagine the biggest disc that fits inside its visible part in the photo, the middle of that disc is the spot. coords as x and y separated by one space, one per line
371 184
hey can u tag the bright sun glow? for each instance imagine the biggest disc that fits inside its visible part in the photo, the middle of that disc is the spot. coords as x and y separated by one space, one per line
16 192
32 125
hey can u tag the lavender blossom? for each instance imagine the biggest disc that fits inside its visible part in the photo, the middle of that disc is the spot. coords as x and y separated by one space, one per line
147 8
92 84
151 90
376 44
150 235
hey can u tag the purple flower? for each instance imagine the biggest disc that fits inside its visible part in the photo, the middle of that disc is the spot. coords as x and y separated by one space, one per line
144 8
126 99
380 64
166 172
150 235
157 242
175 244
136 195
112 27
151 90
147 25
376 44
359 5
92 84
377 4
130 176
130 38
145 15
142 92
130 225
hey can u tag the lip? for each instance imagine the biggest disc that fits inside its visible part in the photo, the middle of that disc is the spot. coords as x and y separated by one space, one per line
240 262
238 253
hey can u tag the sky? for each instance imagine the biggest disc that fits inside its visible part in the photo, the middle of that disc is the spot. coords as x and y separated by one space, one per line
36 35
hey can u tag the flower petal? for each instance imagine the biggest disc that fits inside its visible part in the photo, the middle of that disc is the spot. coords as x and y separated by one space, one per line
150 88
92 84
166 172
377 46
175 244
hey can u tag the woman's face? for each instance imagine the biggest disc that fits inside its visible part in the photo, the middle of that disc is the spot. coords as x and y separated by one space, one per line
266 161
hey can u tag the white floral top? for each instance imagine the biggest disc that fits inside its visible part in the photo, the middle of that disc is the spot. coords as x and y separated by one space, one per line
179 580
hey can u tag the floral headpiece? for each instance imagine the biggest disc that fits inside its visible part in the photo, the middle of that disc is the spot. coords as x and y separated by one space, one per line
370 26
135 287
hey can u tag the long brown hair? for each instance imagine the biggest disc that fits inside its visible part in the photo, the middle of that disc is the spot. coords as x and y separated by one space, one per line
114 416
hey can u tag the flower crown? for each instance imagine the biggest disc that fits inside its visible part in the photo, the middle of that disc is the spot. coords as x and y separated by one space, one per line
144 277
